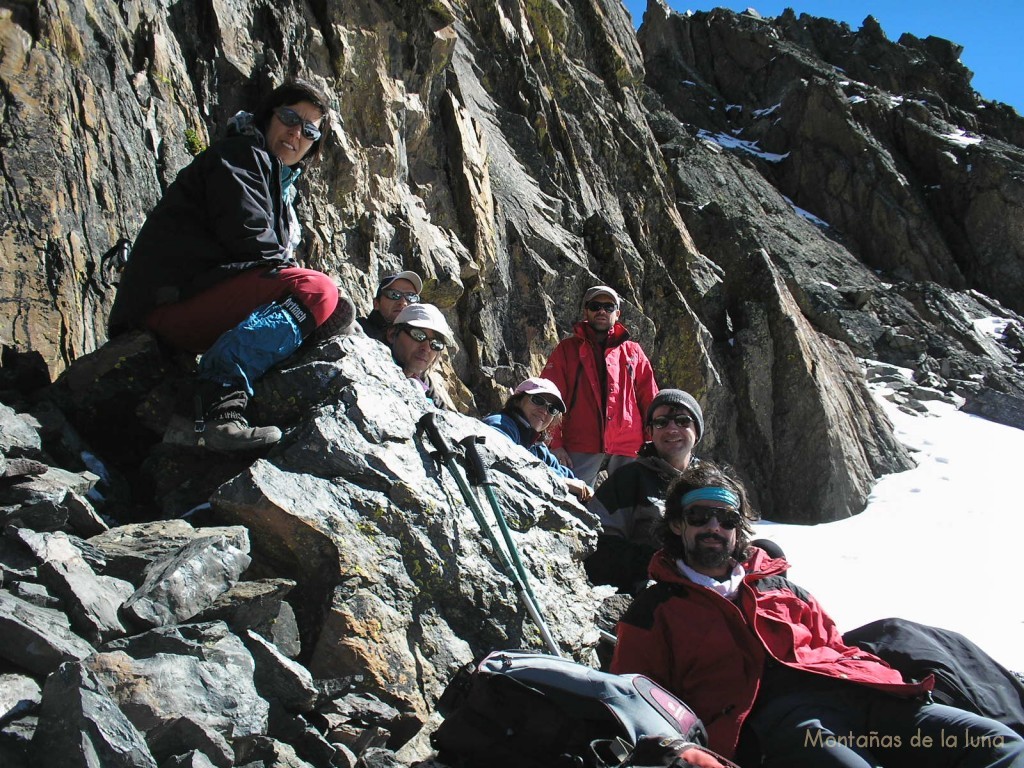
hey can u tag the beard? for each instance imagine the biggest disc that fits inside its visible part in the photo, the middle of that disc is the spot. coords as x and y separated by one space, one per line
705 556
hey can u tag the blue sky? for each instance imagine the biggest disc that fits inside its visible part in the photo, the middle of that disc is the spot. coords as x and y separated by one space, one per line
989 30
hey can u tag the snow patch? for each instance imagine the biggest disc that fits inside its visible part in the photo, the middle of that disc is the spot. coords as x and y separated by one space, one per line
759 113
962 137
866 567
806 214
991 326
731 142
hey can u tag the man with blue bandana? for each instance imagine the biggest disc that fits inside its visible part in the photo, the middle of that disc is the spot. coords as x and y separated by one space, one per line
765 667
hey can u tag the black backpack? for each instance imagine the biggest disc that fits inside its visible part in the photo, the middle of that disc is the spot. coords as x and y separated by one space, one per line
965 676
529 710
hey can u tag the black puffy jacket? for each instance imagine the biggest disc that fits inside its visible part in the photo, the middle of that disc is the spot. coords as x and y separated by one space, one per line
224 213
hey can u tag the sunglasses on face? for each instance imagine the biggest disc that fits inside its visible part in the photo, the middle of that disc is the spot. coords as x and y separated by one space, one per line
681 420
597 306
551 407
419 336
291 118
391 293
698 517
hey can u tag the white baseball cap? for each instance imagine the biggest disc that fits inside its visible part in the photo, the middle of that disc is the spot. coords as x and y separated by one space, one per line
412 277
597 290
426 316
539 386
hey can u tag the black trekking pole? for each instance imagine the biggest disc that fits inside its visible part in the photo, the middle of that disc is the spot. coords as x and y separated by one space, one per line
426 424
477 475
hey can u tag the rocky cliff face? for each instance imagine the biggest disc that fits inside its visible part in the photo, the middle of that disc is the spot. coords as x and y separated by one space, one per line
778 200
515 155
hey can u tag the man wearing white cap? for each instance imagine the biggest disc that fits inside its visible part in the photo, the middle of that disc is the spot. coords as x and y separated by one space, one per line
608 384
418 337
394 293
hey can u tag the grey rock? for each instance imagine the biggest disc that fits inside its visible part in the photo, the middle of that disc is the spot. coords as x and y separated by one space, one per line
16 560
181 735
278 677
263 751
81 725
92 601
37 594
43 515
19 695
37 639
377 757
345 757
82 516
18 439
51 486
200 669
14 468
129 549
179 586
296 731
999 407
259 606
192 759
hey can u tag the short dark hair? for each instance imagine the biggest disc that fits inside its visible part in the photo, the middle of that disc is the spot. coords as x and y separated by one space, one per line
292 92
704 474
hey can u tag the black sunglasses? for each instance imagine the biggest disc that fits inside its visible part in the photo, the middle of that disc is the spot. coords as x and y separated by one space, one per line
553 409
419 336
681 420
698 517
597 306
291 118
391 293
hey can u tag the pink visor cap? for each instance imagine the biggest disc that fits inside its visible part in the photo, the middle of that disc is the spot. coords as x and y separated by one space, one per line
539 386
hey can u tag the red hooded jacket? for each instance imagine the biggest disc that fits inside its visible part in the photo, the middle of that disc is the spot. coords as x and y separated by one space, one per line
601 422
710 651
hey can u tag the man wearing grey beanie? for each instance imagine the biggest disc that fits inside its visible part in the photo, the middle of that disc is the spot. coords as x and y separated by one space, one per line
631 502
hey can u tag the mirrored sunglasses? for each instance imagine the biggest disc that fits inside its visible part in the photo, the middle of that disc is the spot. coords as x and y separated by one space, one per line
291 118
419 336
699 516
681 420
553 408
393 295
597 306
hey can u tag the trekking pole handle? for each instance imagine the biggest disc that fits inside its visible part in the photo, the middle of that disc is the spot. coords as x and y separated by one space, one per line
476 470
428 425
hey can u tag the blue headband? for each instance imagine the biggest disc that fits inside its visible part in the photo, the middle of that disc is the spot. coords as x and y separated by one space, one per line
711 493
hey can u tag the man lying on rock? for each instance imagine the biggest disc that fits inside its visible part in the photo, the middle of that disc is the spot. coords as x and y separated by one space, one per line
764 666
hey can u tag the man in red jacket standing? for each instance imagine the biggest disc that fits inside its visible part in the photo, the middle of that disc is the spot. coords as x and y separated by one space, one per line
607 382
764 666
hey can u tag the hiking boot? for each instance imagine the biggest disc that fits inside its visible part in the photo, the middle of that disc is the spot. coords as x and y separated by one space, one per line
233 434
221 424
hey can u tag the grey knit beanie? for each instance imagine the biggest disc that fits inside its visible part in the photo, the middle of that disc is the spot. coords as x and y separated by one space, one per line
679 398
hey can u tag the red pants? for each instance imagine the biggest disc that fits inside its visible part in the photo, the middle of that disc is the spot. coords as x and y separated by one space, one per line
194 324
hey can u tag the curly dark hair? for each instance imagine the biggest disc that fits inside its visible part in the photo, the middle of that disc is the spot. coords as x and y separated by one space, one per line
515 405
292 92
705 474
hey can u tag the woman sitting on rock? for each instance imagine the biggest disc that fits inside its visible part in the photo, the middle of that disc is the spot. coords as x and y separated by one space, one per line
526 418
213 269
